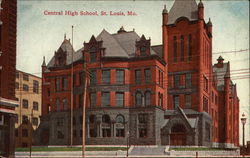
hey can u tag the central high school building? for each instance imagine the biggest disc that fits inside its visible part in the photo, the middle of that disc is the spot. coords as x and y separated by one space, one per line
167 94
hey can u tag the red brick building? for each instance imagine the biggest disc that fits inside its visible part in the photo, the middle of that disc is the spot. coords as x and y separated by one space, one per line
8 102
164 94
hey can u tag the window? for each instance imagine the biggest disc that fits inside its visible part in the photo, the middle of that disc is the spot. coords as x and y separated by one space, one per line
188 101
207 127
205 83
80 100
74 133
175 50
120 132
176 101
81 78
35 105
188 80
119 99
176 81
106 129
74 79
143 118
25 133
92 99
60 135
64 83
93 77
138 76
25 77
106 76
25 119
57 84
35 86
147 98
25 103
205 104
142 132
57 104
80 119
189 47
48 91
120 76
160 99
17 85
92 54
105 99
65 104
147 75
59 122
138 99
35 121
17 73
16 132
25 87
182 48
143 51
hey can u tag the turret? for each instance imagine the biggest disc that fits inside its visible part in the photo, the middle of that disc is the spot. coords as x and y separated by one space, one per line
165 34
209 24
200 11
44 67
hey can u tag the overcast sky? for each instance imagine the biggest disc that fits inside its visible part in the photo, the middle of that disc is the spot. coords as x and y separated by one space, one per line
40 35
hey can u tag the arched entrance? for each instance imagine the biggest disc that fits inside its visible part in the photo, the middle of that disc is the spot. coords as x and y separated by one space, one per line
178 135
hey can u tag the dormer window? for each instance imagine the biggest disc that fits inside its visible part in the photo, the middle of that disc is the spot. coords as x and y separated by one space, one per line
92 52
143 51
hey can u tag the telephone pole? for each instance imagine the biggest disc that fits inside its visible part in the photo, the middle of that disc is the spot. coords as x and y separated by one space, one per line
72 97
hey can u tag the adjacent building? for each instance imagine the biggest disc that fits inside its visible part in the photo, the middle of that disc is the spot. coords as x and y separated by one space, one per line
8 102
168 94
28 93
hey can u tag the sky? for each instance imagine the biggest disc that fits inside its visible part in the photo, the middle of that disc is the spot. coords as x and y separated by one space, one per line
41 35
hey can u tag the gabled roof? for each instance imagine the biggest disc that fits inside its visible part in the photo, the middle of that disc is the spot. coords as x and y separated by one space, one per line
68 48
183 8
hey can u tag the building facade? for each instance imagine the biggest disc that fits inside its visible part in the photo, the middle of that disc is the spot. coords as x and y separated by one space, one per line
28 92
8 102
167 94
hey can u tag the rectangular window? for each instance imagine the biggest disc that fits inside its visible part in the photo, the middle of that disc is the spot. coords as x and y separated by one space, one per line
17 73
205 83
175 49
138 76
147 75
106 76
59 122
190 47
182 48
188 80
25 87
93 77
176 101
25 103
143 51
142 132
120 132
105 99
120 99
25 119
35 105
25 77
57 84
17 85
25 133
143 118
35 86
205 104
207 127
120 76
92 57
80 100
35 121
176 81
64 83
188 101
81 78
92 99
74 79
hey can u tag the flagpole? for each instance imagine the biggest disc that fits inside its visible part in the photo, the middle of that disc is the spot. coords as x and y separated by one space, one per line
71 100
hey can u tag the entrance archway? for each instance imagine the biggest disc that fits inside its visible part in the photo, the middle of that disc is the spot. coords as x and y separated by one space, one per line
178 135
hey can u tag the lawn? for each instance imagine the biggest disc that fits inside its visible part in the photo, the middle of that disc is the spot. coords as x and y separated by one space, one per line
197 149
71 149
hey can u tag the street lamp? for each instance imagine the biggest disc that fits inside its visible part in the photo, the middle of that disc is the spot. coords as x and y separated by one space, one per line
243 121
127 142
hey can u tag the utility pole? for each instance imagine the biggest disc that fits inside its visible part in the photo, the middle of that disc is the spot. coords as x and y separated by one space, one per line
84 108
31 116
72 97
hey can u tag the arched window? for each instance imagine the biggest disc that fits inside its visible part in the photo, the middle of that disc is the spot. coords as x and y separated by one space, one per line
57 104
138 99
65 104
106 126
148 98
92 126
120 131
